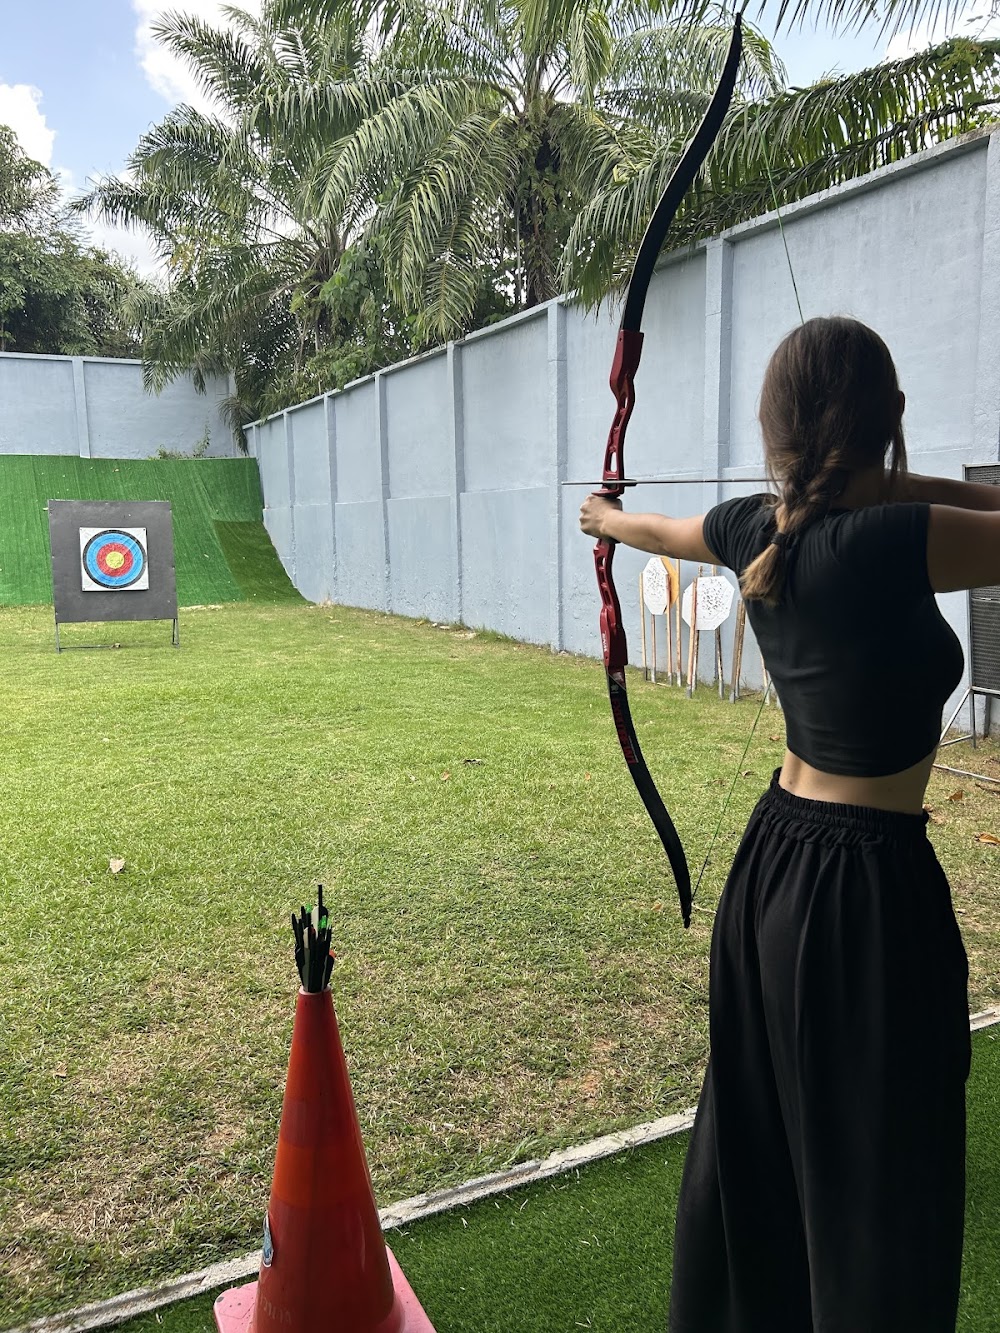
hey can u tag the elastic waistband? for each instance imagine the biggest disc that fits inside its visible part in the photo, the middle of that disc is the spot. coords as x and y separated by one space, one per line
828 814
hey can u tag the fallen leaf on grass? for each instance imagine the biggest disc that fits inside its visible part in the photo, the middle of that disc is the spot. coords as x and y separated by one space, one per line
657 907
993 791
957 795
586 777
445 777
60 1072
991 838
774 738
933 815
473 761
116 865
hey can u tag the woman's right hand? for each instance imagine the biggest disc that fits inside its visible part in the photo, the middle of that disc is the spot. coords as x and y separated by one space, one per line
594 513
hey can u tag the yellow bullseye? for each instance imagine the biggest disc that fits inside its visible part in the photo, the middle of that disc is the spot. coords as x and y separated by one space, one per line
114 560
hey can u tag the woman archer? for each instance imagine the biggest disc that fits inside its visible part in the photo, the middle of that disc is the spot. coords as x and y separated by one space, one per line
824 1185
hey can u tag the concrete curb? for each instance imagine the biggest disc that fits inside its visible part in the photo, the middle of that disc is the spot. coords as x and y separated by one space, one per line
103 1314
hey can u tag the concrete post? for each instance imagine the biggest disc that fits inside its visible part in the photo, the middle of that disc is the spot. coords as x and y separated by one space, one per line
80 399
715 454
330 421
986 410
289 445
455 424
556 465
382 453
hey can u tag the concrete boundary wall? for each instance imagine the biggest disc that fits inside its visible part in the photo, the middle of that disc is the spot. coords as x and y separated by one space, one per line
96 407
434 488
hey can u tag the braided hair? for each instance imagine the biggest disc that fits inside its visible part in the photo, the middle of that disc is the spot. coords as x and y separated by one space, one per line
830 405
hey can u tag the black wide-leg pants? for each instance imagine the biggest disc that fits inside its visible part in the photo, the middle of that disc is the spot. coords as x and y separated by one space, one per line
824 1186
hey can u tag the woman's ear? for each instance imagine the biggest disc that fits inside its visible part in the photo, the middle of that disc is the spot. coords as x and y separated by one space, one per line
902 402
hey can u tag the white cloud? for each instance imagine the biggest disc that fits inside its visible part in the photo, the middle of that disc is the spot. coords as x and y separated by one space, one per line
20 108
980 20
167 75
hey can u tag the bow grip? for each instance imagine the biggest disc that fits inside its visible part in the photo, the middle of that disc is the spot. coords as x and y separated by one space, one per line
613 642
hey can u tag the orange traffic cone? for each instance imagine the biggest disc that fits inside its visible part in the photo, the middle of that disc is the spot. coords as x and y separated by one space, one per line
325 1267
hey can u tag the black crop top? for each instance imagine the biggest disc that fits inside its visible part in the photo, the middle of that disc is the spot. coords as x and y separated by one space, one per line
861 657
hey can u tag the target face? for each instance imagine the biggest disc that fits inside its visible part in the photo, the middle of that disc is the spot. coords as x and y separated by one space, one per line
655 591
113 559
714 602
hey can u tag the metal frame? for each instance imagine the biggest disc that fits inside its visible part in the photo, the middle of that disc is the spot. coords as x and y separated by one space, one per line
175 636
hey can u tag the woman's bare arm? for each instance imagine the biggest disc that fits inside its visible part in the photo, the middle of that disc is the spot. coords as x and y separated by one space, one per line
947 491
659 534
963 548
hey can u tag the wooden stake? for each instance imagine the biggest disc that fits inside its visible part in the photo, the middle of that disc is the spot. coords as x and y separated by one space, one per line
652 622
680 640
741 624
718 663
693 638
642 614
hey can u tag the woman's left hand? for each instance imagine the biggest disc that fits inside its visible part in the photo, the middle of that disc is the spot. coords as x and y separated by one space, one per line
594 514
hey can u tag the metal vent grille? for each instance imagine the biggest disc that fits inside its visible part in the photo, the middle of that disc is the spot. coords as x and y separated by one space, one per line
984 611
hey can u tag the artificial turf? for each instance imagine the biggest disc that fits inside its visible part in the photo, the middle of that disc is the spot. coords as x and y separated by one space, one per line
221 550
592 1249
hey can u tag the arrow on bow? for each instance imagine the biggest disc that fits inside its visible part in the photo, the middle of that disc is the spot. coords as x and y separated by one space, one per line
614 481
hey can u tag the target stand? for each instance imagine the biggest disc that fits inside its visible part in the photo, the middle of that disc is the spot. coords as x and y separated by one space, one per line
112 561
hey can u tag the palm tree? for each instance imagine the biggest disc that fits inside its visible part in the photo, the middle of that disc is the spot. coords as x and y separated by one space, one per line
549 127
378 176
226 198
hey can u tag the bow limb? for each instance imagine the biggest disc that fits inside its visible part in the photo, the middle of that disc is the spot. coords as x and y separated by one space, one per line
626 362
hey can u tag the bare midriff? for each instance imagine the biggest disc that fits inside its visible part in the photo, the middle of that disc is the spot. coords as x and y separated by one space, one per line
903 792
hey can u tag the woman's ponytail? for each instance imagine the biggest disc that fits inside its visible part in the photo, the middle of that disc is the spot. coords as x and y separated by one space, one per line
830 405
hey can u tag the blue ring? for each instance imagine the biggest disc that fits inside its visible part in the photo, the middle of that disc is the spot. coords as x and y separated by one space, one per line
118 538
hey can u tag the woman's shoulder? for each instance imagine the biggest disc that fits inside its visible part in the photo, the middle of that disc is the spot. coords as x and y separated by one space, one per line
734 529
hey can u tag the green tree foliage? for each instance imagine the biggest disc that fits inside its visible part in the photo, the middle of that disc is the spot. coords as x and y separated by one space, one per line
376 177
57 294
560 121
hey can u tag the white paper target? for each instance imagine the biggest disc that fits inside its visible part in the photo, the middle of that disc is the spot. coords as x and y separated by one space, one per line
715 601
113 560
654 587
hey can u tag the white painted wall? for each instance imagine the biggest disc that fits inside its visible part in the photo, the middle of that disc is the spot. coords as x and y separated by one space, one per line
433 488
96 407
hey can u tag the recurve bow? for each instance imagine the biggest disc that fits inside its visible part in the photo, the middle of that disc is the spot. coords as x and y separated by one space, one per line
626 362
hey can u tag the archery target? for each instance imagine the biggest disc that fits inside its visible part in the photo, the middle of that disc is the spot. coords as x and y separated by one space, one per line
655 592
715 601
113 559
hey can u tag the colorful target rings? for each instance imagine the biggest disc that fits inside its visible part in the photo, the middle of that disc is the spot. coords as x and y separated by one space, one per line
114 559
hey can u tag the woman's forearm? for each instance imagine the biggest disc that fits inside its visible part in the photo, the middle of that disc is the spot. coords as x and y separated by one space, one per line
948 491
646 532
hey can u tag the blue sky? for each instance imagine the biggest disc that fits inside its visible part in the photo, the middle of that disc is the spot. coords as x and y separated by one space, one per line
80 82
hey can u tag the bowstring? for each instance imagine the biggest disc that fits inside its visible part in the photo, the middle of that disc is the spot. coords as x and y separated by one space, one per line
781 231
766 683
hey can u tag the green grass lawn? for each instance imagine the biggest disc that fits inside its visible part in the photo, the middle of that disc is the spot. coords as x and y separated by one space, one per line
512 974
593 1249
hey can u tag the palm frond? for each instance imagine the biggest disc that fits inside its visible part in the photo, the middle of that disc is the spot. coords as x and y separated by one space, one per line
226 67
798 142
